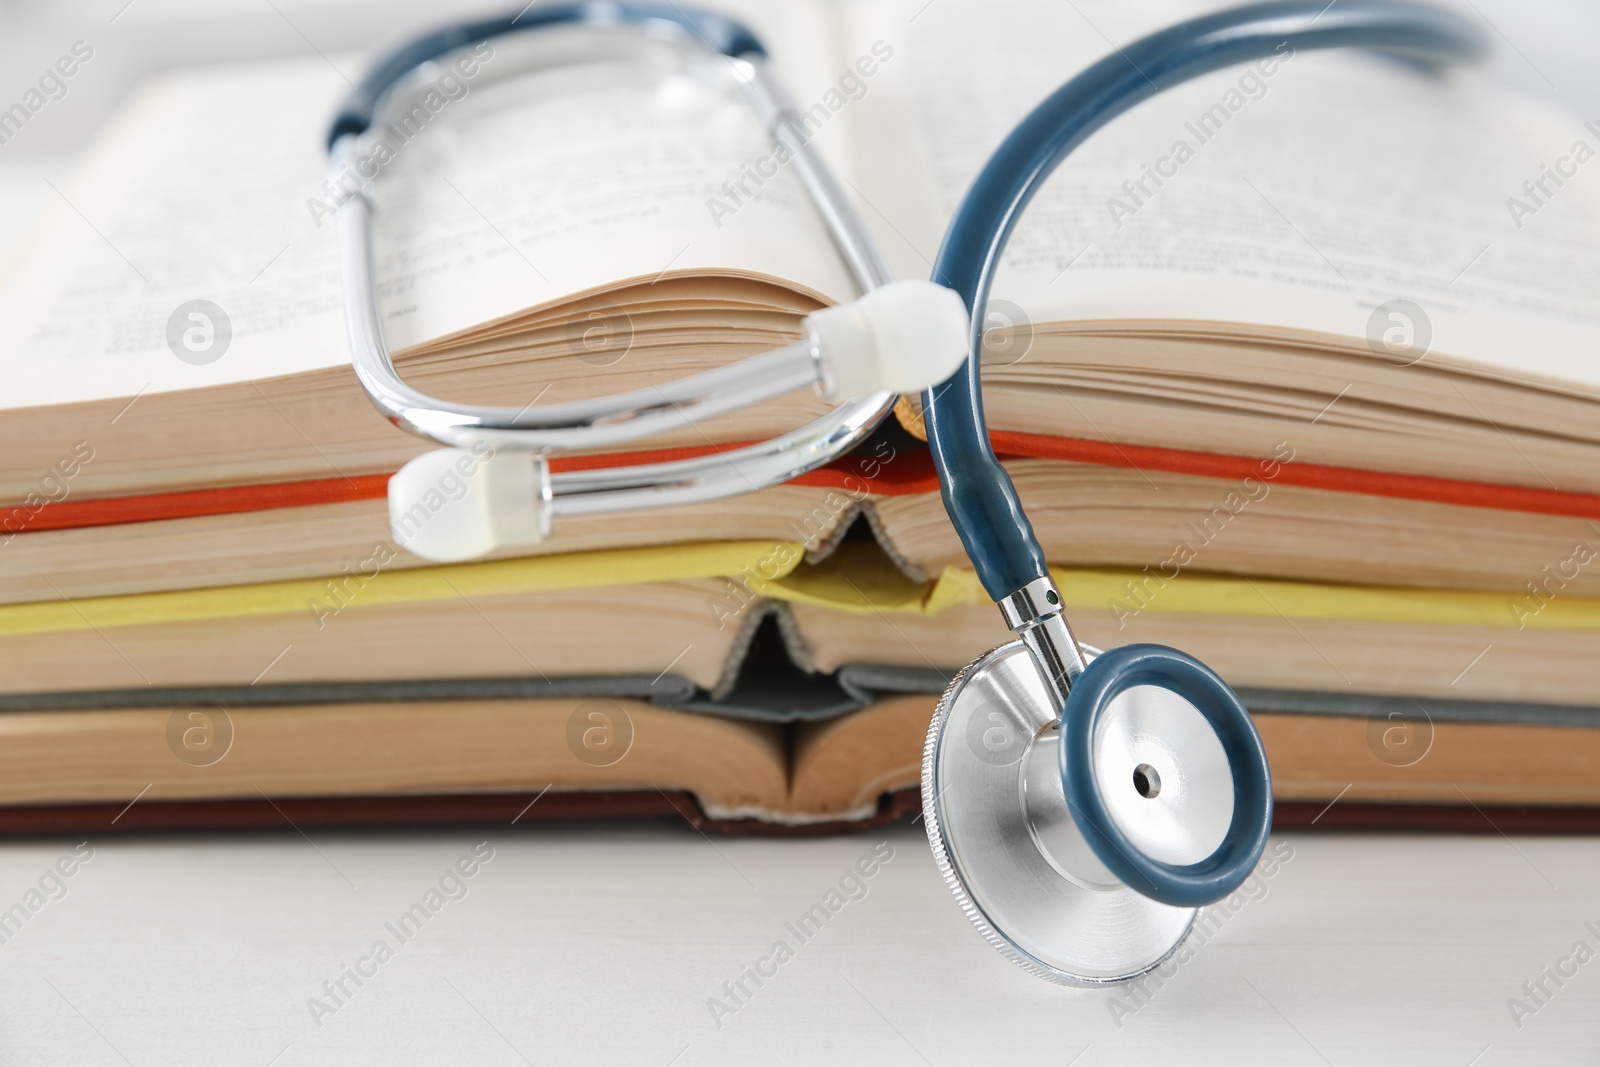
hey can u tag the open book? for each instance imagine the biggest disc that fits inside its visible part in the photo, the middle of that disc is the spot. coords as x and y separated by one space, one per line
1144 325
1316 336
689 618
1216 272
527 760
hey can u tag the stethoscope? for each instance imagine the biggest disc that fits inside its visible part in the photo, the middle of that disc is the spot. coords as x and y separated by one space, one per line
1081 805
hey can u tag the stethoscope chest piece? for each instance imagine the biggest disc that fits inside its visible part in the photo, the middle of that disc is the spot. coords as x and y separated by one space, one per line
1007 844
1080 843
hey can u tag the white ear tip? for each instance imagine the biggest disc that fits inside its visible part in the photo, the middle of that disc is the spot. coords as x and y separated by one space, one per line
903 337
436 513
457 504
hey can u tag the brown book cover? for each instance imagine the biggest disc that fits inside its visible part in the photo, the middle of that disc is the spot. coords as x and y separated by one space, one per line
324 813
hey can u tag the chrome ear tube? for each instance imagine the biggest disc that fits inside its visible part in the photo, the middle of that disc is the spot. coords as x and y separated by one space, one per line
900 336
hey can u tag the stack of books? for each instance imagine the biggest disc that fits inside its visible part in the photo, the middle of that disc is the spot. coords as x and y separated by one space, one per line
1285 375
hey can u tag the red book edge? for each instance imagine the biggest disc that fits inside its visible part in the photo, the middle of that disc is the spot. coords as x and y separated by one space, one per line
898 474
901 473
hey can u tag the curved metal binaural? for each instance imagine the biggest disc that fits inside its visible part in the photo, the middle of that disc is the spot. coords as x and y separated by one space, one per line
727 56
977 492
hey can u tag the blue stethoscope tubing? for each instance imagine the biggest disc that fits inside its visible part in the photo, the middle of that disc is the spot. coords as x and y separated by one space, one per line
978 493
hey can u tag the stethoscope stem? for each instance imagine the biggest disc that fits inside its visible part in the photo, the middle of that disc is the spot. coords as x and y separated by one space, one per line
1035 613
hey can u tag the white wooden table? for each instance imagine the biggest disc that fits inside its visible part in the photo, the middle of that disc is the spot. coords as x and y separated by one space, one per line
604 945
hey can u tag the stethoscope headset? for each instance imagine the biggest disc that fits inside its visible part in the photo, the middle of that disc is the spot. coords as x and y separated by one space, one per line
1081 805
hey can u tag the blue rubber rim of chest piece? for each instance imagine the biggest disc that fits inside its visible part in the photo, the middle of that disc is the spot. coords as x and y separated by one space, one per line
1181 885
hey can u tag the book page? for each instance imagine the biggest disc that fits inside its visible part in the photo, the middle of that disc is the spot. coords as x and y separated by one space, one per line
1303 193
503 195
